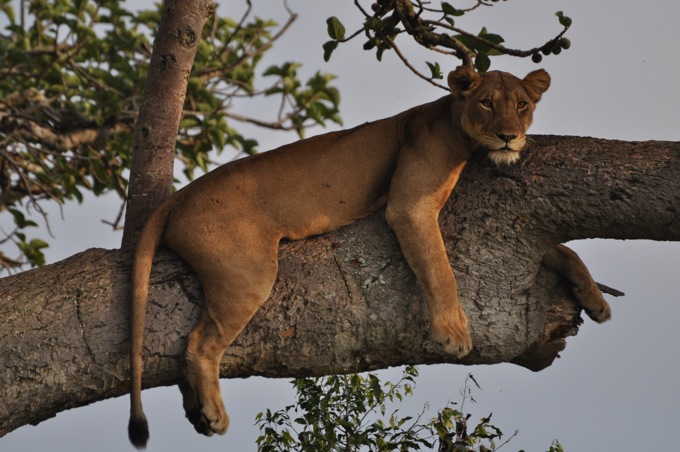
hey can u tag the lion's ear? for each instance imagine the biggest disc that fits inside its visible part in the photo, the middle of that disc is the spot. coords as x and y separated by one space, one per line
536 83
463 80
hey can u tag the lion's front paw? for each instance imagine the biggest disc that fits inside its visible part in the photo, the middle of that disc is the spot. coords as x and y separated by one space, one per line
454 337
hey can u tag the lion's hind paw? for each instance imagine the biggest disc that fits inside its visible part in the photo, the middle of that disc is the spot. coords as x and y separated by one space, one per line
601 314
594 303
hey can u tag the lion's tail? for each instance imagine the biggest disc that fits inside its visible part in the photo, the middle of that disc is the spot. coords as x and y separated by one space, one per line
149 239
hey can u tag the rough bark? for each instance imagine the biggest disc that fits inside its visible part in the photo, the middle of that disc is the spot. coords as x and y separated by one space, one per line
346 301
153 146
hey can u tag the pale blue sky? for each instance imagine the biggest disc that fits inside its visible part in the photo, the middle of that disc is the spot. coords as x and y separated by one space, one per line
615 387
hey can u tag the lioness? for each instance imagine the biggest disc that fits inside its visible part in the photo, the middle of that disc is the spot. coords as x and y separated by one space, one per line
227 224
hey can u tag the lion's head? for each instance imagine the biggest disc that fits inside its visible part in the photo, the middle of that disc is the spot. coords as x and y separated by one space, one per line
498 108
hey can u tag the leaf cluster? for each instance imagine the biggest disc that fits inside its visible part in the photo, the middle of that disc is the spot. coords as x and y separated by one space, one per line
72 74
437 29
352 413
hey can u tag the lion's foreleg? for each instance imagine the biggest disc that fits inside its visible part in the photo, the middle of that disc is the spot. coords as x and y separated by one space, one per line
567 263
422 245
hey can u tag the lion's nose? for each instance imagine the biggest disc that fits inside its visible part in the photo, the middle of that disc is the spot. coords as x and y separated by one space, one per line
506 137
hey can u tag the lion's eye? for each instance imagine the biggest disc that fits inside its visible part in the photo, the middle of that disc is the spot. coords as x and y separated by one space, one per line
521 105
486 103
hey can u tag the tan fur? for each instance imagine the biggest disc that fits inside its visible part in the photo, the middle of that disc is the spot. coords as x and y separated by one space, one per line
227 224
567 263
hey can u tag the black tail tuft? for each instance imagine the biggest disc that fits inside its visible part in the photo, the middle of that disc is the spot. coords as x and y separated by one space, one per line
138 432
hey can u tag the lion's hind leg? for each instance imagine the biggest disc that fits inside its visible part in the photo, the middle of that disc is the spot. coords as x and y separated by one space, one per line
567 263
233 293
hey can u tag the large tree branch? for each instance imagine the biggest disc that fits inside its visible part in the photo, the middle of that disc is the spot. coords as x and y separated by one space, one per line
346 301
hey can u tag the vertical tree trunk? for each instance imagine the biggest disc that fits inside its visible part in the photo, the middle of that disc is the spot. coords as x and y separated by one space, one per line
153 146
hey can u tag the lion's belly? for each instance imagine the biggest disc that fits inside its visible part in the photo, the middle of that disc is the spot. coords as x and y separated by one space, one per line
322 214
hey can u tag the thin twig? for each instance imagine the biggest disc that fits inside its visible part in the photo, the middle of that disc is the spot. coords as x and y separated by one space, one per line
410 66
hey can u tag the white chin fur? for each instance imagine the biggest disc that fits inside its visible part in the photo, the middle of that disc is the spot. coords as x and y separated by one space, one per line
504 157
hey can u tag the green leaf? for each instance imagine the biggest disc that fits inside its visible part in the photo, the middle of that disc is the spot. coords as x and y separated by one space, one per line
379 52
38 244
8 9
32 251
328 48
335 28
275 70
190 121
217 138
20 220
435 70
451 11
496 39
482 63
